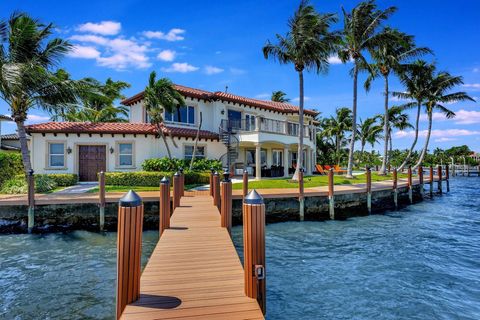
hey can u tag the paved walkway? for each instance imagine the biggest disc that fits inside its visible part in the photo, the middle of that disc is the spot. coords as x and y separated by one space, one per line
194 271
78 188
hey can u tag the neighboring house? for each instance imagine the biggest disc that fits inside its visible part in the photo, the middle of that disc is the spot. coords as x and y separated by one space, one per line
10 142
242 132
475 156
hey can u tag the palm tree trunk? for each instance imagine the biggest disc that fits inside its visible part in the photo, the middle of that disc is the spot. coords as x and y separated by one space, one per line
354 122
337 148
300 129
383 169
409 154
425 148
160 131
22 136
196 143
390 145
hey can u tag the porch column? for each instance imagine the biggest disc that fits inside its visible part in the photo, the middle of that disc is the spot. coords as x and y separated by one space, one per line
285 161
258 161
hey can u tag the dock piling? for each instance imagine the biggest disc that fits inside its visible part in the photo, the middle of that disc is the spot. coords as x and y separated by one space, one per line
101 200
226 202
410 184
331 201
216 190
439 172
301 194
420 179
245 183
129 250
395 189
431 181
164 219
447 177
31 200
254 248
368 173
182 182
176 190
210 180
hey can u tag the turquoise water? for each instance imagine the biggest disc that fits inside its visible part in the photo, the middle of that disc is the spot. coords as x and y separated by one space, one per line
422 262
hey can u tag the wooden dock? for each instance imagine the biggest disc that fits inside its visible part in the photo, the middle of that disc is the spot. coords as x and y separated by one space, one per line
194 271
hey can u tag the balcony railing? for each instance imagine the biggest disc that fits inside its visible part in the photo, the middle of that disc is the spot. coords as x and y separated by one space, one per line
264 125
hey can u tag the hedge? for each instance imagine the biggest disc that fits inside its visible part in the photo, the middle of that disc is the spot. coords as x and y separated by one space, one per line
10 165
170 165
18 185
151 179
62 179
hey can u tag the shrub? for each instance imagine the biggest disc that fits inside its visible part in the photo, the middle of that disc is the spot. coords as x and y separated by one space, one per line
15 186
10 165
151 179
171 165
61 179
44 183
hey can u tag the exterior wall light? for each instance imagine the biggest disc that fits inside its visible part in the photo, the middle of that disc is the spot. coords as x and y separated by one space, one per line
112 150
222 112
69 150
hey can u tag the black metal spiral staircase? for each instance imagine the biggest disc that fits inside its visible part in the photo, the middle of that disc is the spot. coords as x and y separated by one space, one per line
227 134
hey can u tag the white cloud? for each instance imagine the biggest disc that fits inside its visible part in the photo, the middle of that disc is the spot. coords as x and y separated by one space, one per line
107 28
439 133
476 69
297 99
218 52
84 52
180 67
237 71
461 117
263 96
117 53
166 55
34 118
334 60
472 85
213 70
445 139
174 34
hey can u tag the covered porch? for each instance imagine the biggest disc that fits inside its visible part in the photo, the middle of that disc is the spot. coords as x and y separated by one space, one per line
271 159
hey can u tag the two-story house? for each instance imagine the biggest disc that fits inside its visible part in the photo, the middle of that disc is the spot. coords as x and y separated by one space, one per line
260 136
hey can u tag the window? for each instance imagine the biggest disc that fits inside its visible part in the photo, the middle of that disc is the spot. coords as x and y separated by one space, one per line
199 153
56 155
293 129
249 122
125 154
277 158
293 159
184 114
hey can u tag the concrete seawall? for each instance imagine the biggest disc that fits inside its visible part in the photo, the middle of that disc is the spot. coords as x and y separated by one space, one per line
85 216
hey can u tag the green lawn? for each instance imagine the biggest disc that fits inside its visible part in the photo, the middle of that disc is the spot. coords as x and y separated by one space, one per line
311 181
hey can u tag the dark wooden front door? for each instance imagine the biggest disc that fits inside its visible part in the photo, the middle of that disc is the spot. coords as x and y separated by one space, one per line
91 160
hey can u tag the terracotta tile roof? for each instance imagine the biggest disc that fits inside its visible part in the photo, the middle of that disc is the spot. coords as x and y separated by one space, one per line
119 128
7 118
11 136
202 94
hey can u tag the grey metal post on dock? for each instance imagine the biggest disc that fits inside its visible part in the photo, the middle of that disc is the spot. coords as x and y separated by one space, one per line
439 172
368 173
331 200
164 205
410 184
182 182
431 181
101 196
395 189
301 196
226 201
245 183
212 171
31 201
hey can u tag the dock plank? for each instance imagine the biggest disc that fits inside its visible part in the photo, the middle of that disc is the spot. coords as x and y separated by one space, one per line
194 271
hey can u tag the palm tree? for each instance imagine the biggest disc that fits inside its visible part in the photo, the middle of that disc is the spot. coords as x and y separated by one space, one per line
337 126
438 96
361 33
28 56
106 114
279 96
161 96
388 57
416 78
369 132
397 119
307 45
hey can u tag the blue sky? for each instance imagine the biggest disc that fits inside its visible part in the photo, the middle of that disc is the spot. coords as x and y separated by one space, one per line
214 44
